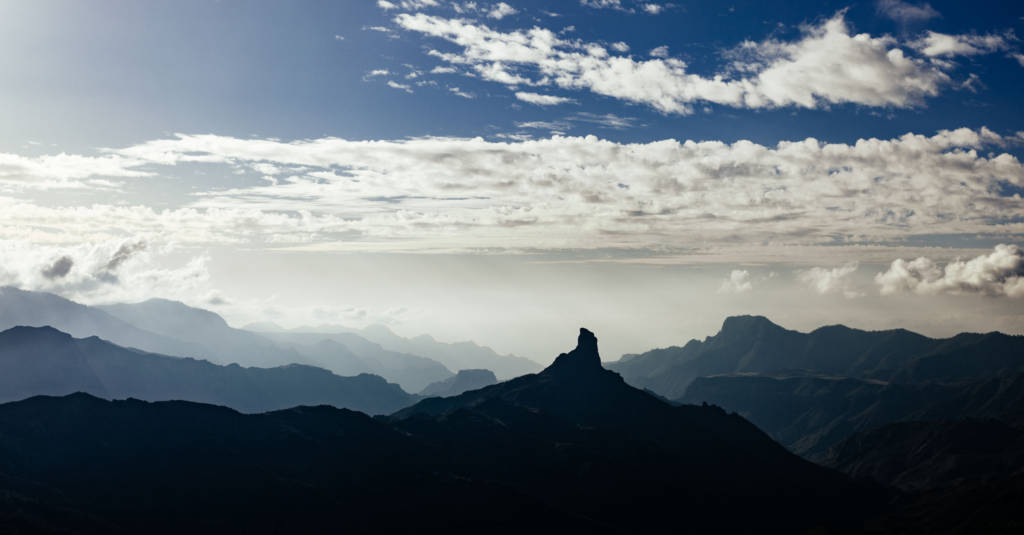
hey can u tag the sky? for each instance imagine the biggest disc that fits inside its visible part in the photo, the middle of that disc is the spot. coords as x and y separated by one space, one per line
509 171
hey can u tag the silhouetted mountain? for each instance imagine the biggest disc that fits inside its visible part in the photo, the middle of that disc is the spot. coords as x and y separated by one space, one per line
461 382
922 455
349 354
572 448
619 455
43 360
40 309
753 344
218 342
455 356
79 464
809 415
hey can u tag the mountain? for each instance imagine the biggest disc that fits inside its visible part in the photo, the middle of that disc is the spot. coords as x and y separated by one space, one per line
43 360
608 451
217 341
570 449
455 356
922 455
459 383
755 345
349 354
79 464
809 415
40 309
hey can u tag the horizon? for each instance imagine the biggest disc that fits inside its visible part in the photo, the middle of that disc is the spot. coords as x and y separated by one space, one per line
504 172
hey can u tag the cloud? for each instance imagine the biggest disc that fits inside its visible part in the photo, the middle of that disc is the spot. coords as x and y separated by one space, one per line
59 269
653 9
81 271
827 65
542 100
945 45
404 87
464 194
1019 58
737 282
827 281
999 273
659 52
461 93
64 170
905 12
443 70
501 10
620 47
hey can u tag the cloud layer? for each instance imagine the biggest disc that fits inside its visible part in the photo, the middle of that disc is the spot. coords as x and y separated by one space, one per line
444 194
828 65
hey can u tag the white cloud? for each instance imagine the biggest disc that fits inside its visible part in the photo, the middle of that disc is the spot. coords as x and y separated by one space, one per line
905 12
408 5
541 100
835 280
737 282
385 5
461 93
339 37
941 44
620 47
827 65
64 170
501 10
999 273
602 4
395 85
659 52
443 70
378 72
105 271
1019 58
653 9
560 192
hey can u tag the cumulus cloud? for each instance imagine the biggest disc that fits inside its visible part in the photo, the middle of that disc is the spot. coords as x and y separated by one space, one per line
945 45
559 192
737 282
542 100
59 269
82 271
653 9
905 12
827 65
501 10
395 85
659 52
827 281
999 273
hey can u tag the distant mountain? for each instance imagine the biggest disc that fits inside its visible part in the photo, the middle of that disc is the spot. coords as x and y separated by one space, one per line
349 354
570 449
461 382
218 342
43 360
173 328
455 356
753 344
809 415
40 309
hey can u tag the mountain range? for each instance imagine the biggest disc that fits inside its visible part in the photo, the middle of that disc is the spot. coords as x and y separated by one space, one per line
43 360
755 345
570 448
173 328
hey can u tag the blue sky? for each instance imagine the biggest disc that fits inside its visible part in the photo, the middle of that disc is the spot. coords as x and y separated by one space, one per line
797 159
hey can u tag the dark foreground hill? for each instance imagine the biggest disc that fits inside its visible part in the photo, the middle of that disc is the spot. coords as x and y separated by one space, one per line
43 360
570 449
809 415
755 345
